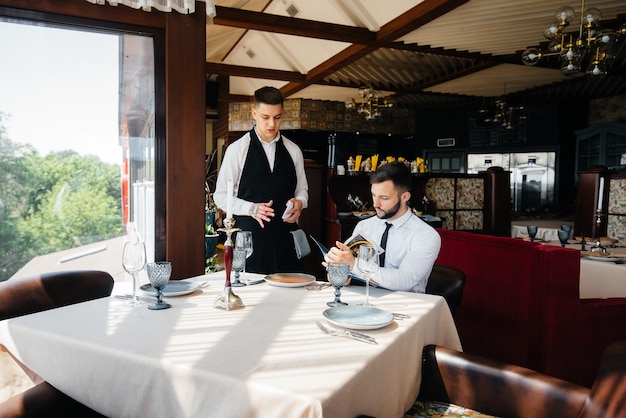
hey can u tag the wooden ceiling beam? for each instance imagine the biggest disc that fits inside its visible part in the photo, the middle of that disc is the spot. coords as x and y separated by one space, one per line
266 22
416 17
396 28
253 72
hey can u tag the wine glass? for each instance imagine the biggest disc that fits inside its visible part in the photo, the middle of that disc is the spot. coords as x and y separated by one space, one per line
563 236
532 231
244 240
368 266
159 274
239 263
337 276
134 260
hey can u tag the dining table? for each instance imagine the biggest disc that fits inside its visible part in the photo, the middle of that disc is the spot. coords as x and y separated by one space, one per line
269 359
600 276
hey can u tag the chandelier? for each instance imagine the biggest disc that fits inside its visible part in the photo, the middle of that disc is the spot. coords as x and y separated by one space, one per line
500 113
591 50
370 102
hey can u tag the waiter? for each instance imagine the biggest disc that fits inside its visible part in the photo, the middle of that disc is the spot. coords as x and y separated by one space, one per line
270 186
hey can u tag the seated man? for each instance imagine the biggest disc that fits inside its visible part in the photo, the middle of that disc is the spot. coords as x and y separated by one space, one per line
411 245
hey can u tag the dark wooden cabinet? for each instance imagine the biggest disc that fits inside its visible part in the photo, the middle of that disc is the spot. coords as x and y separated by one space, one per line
591 202
311 218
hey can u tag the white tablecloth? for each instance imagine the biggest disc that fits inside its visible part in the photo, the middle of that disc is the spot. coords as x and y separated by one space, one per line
267 360
600 279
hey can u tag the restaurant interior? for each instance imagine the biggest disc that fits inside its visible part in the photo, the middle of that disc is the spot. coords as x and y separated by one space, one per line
503 127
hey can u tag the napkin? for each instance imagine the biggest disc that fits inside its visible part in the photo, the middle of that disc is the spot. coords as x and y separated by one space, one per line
301 243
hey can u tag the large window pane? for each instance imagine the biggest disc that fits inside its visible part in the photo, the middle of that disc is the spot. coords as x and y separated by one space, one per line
77 144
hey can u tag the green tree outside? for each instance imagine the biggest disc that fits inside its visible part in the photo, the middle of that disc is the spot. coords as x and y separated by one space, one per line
53 203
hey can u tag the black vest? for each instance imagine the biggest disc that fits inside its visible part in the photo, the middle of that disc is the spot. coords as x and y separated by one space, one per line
274 251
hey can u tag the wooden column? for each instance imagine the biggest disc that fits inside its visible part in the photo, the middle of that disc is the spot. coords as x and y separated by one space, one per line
587 199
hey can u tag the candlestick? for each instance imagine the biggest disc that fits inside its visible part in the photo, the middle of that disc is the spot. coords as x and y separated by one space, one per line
229 199
600 194
227 299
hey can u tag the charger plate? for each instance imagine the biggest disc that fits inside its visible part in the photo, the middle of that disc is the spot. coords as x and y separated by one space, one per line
358 317
600 256
173 288
289 279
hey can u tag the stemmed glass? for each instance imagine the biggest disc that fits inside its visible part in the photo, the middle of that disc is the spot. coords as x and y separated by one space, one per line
368 266
563 236
159 274
337 276
532 231
244 241
134 260
239 263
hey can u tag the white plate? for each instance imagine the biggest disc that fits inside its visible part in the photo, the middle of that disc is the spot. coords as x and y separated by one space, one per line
358 317
609 259
173 288
289 279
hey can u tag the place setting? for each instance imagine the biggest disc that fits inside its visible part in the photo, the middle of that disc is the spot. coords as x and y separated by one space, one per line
346 318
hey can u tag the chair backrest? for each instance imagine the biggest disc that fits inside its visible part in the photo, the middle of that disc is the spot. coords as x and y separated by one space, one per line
27 295
607 397
447 282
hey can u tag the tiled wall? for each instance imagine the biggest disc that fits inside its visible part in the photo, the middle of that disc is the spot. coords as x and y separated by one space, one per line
325 115
458 201
616 227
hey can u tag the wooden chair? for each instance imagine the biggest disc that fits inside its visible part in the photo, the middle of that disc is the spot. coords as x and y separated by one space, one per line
504 390
34 294
447 282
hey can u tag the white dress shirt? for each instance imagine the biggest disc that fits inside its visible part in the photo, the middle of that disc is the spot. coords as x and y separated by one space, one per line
412 248
232 167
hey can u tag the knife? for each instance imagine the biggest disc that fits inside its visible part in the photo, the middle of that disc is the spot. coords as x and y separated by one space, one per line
128 297
358 336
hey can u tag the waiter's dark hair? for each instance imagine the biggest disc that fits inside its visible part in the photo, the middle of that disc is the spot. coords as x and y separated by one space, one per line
268 95
397 172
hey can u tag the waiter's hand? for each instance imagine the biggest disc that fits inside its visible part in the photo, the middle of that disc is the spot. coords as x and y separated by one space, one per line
294 213
262 212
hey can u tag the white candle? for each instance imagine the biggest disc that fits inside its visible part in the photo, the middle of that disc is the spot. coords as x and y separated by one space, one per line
229 199
600 193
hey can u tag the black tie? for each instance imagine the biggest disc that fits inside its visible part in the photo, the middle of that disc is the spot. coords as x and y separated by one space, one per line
383 244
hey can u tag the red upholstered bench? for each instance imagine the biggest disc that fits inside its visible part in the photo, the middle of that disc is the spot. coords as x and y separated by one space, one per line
521 305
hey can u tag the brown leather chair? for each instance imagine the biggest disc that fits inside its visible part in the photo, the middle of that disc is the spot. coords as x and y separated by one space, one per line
447 282
503 390
34 294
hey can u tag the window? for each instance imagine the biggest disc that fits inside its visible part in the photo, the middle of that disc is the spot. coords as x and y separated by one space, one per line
79 139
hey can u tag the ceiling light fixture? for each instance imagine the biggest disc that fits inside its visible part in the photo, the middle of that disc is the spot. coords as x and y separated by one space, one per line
499 113
590 45
370 103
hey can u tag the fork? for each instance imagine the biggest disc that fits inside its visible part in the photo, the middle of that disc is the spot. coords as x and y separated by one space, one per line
348 334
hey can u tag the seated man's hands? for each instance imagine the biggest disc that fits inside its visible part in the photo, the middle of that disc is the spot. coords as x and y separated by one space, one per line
341 253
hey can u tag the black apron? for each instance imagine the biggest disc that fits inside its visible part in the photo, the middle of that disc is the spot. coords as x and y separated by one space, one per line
274 250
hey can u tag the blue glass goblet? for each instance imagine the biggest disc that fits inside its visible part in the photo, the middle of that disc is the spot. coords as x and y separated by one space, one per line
563 236
159 274
532 231
337 276
239 263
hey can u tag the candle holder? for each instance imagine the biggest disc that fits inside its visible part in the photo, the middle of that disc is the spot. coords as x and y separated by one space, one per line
599 216
227 299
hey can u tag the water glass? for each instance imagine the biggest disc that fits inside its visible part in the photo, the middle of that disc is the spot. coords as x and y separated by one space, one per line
337 276
563 237
239 263
159 274
368 266
532 231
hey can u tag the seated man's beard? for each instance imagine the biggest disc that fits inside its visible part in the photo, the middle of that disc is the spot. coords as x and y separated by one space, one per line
391 212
